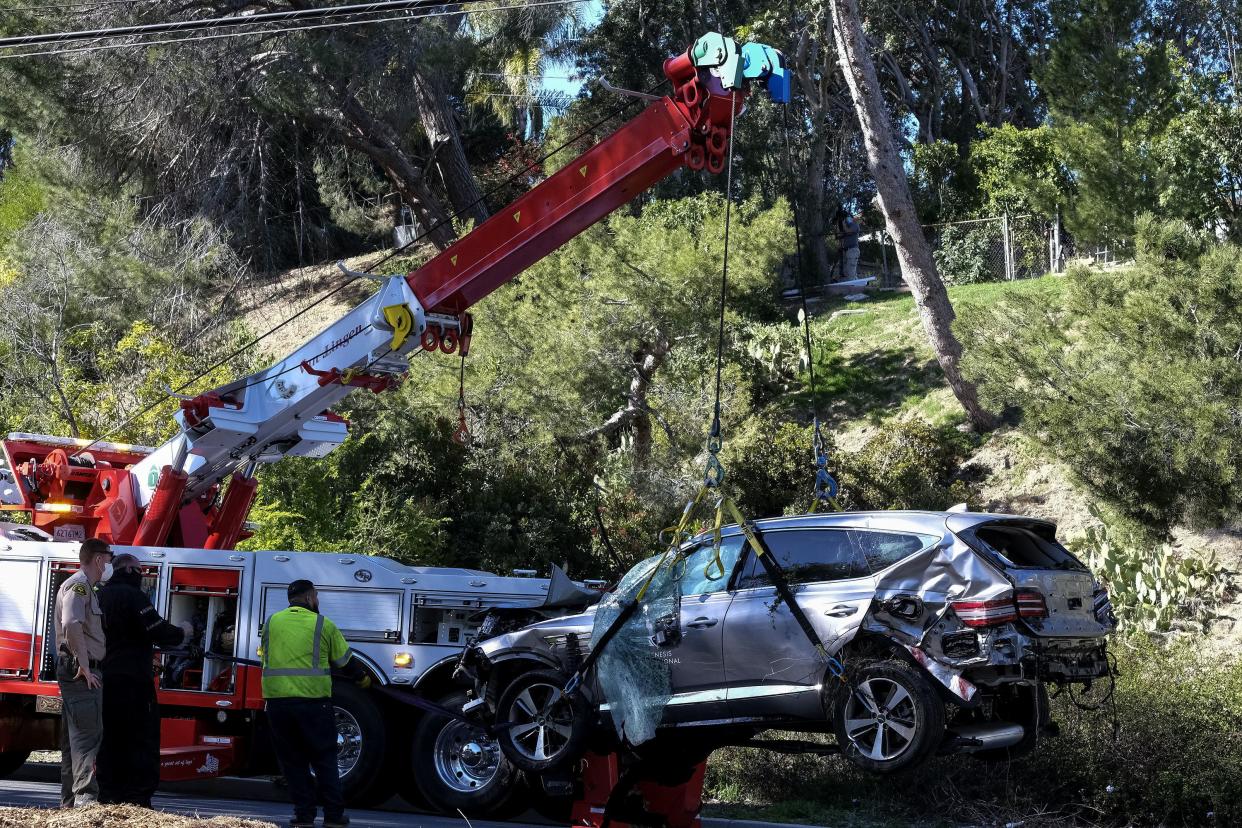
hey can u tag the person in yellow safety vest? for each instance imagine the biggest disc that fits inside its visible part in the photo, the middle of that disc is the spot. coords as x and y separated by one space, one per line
299 651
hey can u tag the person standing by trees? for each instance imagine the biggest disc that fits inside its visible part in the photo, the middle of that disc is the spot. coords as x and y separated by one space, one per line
847 242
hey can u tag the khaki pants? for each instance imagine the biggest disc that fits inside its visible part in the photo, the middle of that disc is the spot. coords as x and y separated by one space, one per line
81 731
849 264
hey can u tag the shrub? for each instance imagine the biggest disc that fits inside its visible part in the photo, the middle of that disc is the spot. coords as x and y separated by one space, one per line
1148 583
1132 378
907 465
965 256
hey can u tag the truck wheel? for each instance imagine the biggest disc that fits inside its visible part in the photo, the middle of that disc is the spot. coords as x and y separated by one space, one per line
896 724
542 728
361 741
458 766
11 761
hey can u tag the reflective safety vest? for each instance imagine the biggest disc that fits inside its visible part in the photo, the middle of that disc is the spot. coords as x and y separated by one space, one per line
299 650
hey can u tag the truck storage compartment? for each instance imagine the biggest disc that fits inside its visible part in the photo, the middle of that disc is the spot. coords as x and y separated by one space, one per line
207 598
17 616
444 620
361 615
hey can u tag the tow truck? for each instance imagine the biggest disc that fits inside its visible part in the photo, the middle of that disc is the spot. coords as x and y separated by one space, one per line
181 507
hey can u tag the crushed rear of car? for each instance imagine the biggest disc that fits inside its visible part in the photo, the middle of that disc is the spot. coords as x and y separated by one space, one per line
950 626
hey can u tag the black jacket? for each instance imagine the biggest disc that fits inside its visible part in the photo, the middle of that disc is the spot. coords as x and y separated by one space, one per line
132 628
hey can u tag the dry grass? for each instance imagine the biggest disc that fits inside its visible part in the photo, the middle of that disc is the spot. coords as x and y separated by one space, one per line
115 816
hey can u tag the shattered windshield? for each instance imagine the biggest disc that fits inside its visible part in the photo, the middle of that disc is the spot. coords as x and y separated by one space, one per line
636 684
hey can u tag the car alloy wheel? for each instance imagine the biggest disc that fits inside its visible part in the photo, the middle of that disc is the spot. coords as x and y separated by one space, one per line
541 722
539 726
881 724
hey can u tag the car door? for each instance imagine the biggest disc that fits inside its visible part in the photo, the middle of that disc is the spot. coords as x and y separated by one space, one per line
771 667
696 656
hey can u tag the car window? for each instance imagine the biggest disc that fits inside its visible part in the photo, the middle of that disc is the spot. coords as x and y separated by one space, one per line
701 564
807 555
1018 547
883 549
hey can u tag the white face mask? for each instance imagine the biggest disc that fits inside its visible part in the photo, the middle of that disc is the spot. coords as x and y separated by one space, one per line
107 572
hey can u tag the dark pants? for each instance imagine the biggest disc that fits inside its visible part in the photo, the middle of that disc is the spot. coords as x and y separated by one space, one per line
80 734
304 734
129 760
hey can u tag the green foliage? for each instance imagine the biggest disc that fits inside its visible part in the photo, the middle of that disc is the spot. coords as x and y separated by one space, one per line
22 196
771 467
1149 583
1019 170
1131 378
943 185
905 465
1111 82
964 255
1200 165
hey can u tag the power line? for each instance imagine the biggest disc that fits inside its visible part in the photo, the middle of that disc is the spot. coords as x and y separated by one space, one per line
334 25
234 21
66 6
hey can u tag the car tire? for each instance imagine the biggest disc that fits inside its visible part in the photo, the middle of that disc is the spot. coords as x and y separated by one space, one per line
542 729
11 762
457 766
1019 705
905 730
362 744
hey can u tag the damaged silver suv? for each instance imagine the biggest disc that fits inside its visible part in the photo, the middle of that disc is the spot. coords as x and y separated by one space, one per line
950 626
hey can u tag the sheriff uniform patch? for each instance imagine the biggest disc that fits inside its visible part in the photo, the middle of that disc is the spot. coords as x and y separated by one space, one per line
79 589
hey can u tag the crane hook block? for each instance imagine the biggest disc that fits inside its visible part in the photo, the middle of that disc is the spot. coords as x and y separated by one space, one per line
402 322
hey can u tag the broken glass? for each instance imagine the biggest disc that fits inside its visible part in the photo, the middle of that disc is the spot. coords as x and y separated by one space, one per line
636 683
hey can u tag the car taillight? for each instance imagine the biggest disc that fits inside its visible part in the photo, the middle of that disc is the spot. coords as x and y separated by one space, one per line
1031 603
1026 603
986 613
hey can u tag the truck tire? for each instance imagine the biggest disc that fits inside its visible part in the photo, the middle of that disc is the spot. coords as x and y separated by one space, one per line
11 762
907 726
542 728
362 742
459 767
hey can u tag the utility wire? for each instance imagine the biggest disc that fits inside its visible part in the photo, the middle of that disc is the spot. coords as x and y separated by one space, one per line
353 278
98 4
268 31
216 22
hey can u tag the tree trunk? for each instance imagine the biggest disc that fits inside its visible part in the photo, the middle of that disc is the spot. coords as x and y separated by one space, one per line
636 413
446 149
913 252
379 142
814 219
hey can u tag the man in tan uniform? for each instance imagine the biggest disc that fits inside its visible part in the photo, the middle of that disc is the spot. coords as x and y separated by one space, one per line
80 649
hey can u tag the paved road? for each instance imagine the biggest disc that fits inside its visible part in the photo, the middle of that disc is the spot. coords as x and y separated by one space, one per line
29 788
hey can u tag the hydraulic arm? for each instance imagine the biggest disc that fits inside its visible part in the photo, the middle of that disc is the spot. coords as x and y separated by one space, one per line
169 495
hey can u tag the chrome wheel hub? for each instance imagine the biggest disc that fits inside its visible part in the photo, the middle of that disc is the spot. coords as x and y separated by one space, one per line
348 741
465 759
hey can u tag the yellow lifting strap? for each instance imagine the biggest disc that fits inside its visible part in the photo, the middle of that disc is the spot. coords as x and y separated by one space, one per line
402 322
